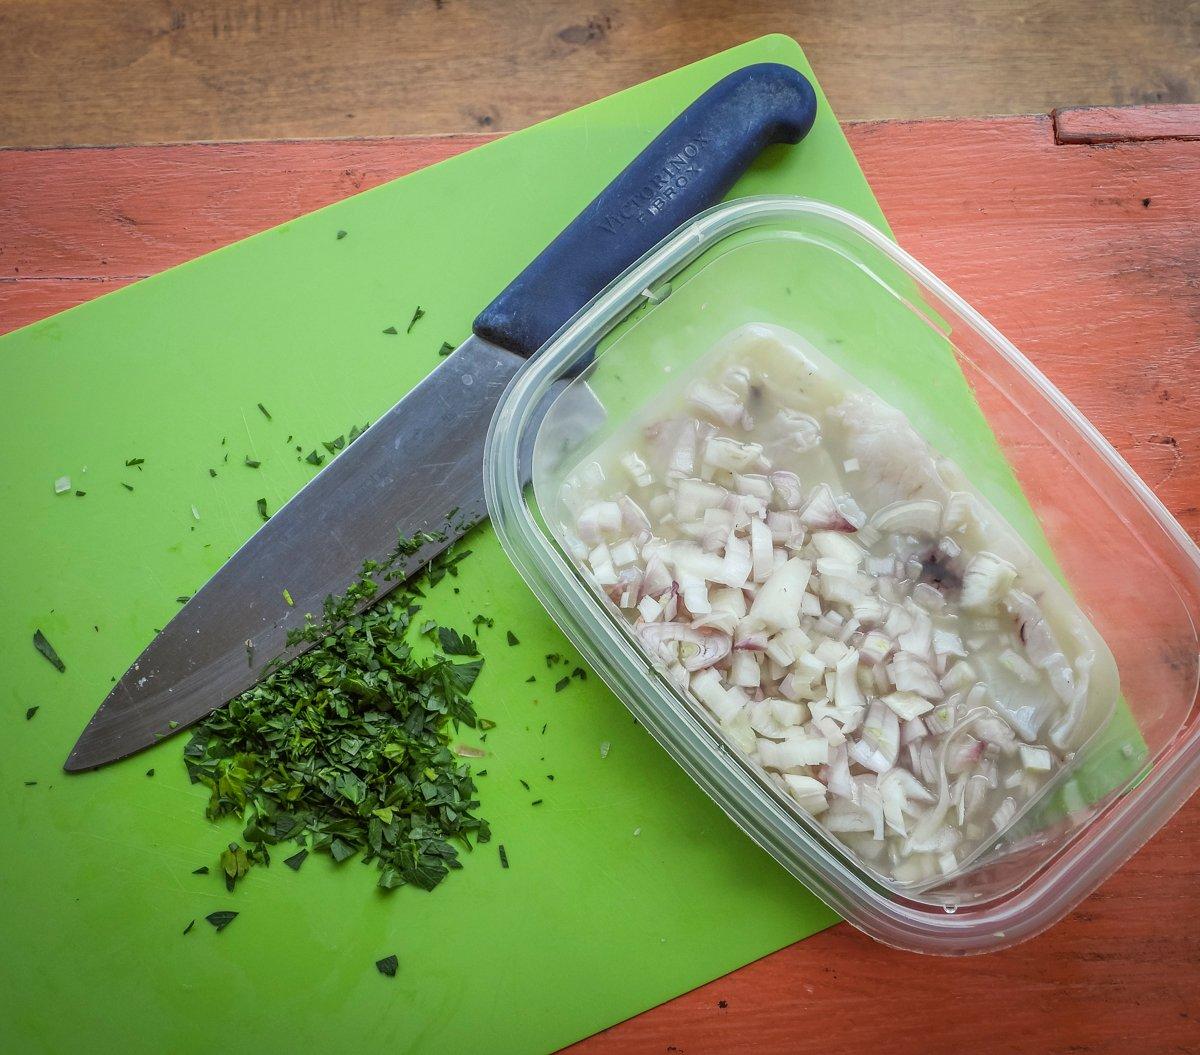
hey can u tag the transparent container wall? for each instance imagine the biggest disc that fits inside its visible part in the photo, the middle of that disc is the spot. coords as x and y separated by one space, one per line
1029 452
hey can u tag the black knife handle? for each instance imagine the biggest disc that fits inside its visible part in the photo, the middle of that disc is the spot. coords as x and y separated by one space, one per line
690 166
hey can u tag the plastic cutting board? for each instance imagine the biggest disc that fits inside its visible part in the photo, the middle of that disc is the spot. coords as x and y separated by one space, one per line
626 887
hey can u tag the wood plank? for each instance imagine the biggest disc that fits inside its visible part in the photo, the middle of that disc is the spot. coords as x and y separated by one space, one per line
88 71
1085 257
116 213
1119 124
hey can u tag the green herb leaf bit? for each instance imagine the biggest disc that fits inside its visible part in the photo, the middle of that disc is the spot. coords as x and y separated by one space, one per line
346 749
47 650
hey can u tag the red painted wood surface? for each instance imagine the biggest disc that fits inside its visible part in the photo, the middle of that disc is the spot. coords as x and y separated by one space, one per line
1126 124
1085 256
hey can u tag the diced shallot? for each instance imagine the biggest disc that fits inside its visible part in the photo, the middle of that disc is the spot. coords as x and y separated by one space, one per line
694 649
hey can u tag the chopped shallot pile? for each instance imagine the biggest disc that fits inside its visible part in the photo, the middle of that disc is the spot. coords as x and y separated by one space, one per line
841 601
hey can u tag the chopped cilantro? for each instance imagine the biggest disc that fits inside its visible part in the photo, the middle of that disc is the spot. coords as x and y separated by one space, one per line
296 860
417 316
129 462
512 638
262 509
503 857
378 717
445 349
388 965
201 871
454 644
235 863
188 928
252 463
30 712
126 486
391 331
47 650
562 683
313 458
341 235
221 920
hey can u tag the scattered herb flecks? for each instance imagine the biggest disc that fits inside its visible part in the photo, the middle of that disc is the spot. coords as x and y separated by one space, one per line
313 458
296 860
149 772
445 349
221 920
47 650
346 749
503 856
265 412
341 235
513 639
417 316
130 462
536 802
126 486
235 863
391 331
188 928
30 712
252 463
388 966
262 509
562 683
531 679
287 596
201 871
212 472
524 784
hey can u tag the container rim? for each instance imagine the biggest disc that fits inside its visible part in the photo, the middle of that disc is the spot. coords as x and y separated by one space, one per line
1105 842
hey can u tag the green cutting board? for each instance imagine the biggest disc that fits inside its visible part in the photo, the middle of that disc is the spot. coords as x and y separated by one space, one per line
626 886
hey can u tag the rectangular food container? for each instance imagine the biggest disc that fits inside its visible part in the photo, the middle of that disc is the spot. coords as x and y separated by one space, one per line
855 296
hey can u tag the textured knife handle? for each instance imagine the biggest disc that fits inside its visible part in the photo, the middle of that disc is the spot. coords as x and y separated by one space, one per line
690 166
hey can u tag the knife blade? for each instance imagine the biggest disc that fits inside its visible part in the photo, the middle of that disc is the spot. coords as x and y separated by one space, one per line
419 467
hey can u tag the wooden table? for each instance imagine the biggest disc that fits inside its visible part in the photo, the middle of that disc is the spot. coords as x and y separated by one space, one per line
1077 235
148 71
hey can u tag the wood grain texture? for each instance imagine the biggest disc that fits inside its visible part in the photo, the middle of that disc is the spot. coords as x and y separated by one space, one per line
89 71
1118 124
1085 256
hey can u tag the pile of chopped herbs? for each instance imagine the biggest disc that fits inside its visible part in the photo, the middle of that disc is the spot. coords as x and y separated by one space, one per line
346 749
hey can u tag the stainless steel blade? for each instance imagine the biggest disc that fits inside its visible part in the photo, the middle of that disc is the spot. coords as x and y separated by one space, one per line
420 461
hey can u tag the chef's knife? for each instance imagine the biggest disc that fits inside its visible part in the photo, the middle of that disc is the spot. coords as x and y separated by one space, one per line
422 461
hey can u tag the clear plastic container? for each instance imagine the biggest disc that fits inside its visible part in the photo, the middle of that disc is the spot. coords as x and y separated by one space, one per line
875 311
